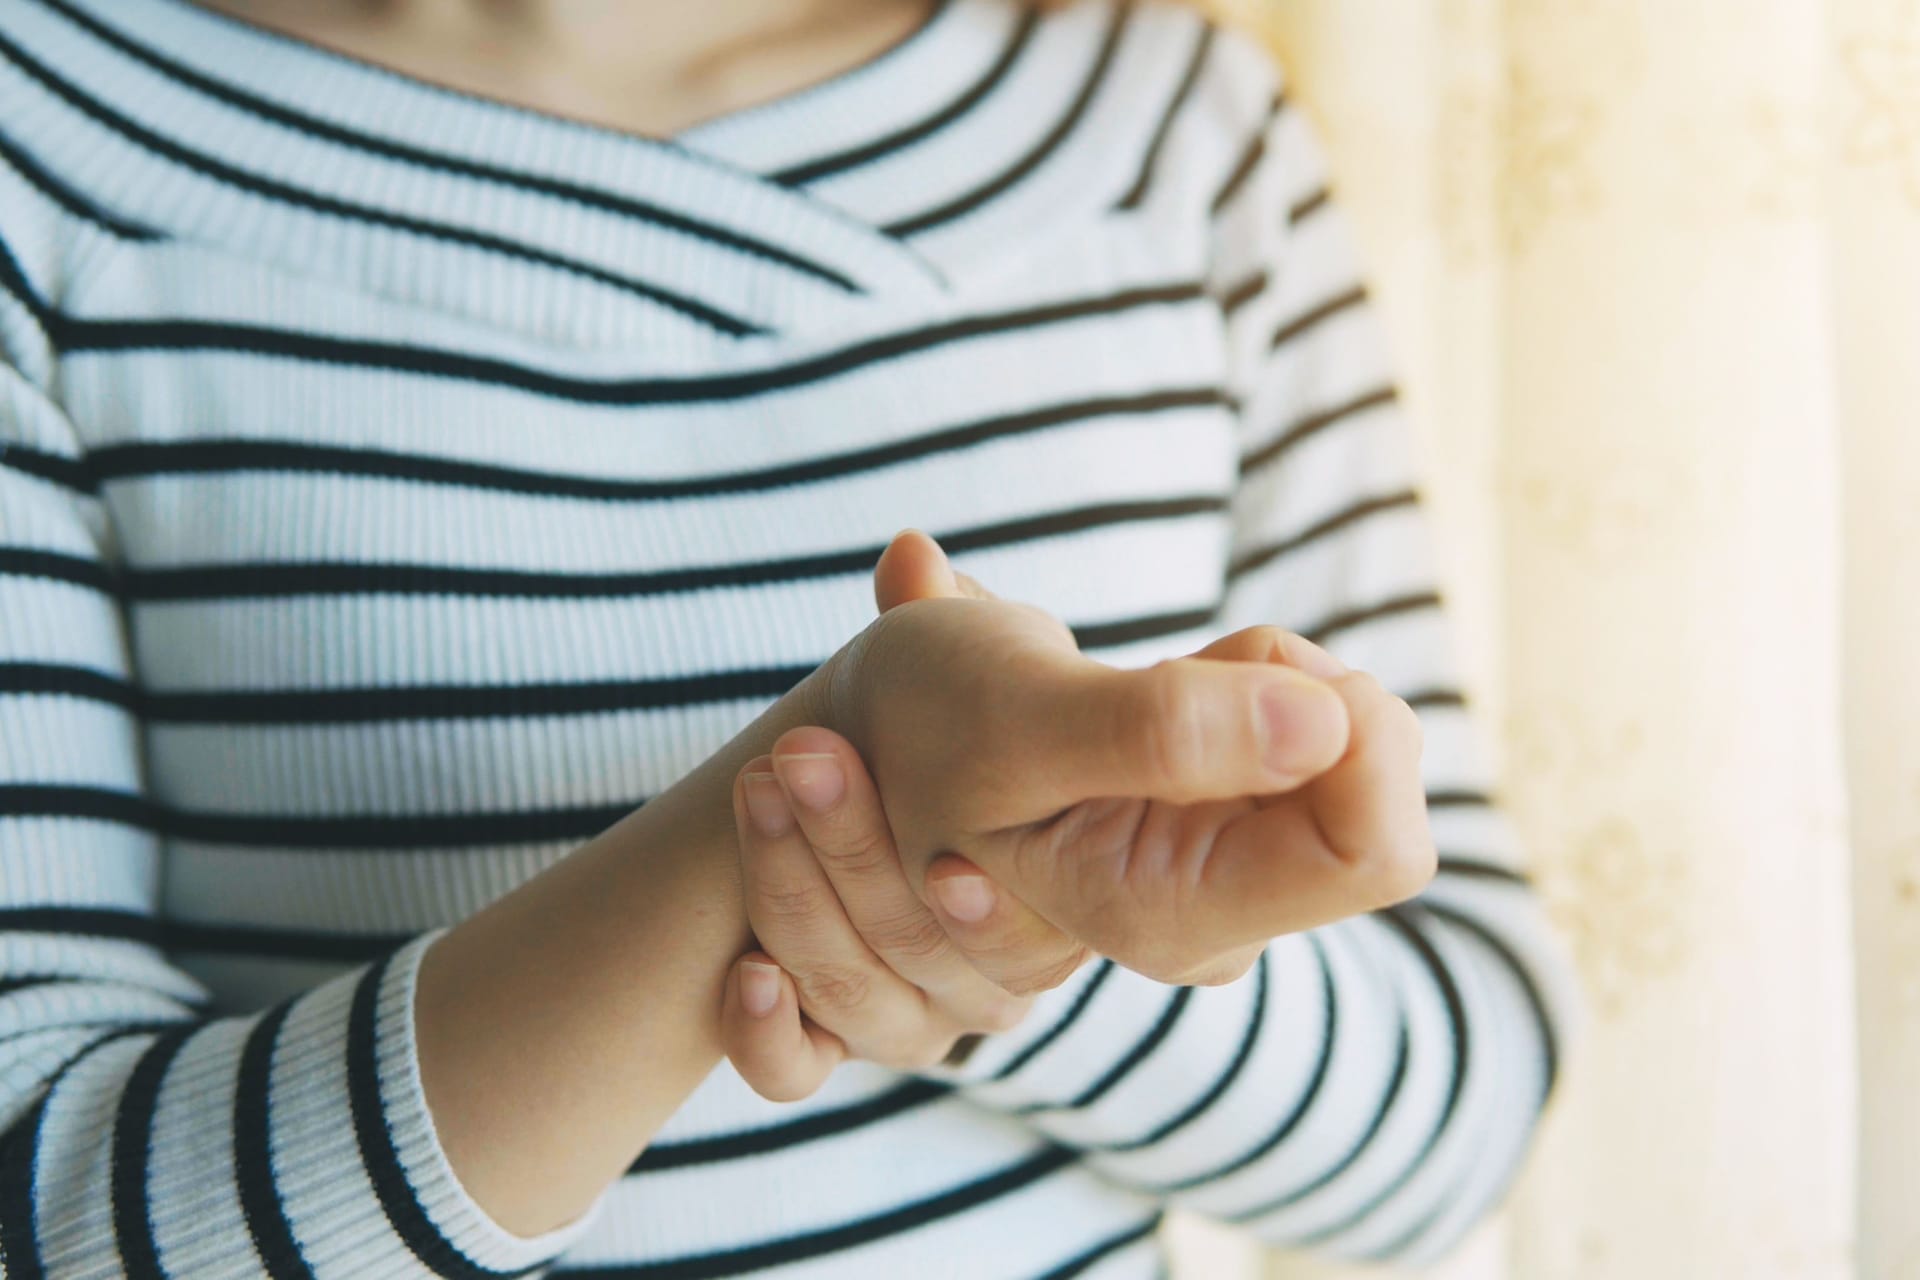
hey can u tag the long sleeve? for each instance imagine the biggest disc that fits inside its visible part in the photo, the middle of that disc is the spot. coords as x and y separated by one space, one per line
140 1134
1369 1089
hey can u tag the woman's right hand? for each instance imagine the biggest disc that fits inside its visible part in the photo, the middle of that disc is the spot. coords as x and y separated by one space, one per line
1172 818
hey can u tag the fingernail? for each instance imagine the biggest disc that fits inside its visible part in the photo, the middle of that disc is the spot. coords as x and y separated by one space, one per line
814 778
1302 723
968 899
759 987
767 805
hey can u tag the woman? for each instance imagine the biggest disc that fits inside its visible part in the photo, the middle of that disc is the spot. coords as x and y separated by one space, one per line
430 429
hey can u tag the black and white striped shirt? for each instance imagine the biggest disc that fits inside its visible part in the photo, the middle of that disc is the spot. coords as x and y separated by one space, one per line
397 487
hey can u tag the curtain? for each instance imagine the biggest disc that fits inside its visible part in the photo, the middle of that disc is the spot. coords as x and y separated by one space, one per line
1652 269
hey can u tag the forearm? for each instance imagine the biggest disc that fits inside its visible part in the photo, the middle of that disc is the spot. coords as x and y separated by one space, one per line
561 1026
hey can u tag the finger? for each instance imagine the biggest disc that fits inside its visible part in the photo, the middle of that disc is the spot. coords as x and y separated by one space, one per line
913 567
1271 644
840 814
798 918
1000 936
1355 839
776 1050
1185 730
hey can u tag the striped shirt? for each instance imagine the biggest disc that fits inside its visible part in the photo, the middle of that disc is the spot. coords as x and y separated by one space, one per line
397 487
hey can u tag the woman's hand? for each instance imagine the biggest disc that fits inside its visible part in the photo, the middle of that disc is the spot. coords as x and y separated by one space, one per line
865 970
1173 819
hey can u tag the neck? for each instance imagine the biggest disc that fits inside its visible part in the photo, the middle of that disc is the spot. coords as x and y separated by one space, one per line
643 66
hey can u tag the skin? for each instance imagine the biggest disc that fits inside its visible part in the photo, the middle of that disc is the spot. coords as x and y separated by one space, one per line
648 67
853 962
989 735
1133 813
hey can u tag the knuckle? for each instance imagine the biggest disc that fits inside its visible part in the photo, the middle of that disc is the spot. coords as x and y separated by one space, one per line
835 986
858 848
1403 871
911 936
786 904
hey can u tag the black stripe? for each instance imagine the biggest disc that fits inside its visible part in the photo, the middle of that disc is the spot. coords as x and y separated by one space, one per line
1394 1247
126 926
1137 193
1239 295
1163 1026
27 562
968 203
1395 1081
1242 1055
375 705
379 1155
1549 1041
139 461
1079 1263
188 935
68 473
37 800
73 682
14 284
1301 1106
1459 799
1323 631
905 1097
66 197
327 205
1306 321
814 1244
82 335
866 153
270 580
355 831
1349 515
19 1156
268 942
1101 635
1309 205
1244 167
1405 920
1312 425
592 197
366 705
1084 997
253 1172
1429 699
1479 869
133 1149
20 1161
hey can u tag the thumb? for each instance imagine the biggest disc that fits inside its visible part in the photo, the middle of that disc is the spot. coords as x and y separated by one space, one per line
913 567
1187 731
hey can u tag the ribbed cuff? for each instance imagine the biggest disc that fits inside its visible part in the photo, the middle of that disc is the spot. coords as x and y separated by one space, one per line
366 1187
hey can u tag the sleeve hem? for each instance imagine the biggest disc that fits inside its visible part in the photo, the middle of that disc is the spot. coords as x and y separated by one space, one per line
454 1214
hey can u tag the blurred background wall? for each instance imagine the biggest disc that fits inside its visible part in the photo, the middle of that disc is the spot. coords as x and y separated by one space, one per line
1653 271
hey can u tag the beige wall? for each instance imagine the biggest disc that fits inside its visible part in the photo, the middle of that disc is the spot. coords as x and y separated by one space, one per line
1653 268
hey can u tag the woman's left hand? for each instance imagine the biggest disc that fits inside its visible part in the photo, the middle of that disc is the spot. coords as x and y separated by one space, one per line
866 969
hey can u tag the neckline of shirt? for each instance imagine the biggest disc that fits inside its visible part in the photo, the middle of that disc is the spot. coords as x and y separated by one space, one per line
223 94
